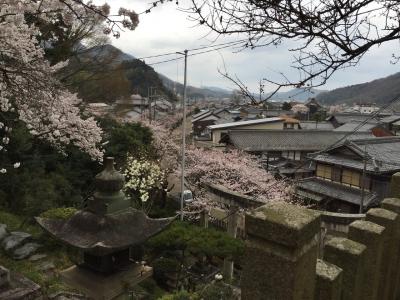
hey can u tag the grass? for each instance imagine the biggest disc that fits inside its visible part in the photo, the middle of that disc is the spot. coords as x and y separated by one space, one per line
56 254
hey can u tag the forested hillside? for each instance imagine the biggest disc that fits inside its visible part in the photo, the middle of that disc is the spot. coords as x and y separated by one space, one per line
378 91
105 74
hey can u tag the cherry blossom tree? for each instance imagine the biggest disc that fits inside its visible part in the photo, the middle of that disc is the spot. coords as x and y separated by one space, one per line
235 170
29 88
300 109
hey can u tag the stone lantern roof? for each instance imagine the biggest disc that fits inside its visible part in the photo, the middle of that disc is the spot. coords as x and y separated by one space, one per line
100 230
103 234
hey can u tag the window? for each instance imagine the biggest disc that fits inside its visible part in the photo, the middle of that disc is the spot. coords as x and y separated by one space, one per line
324 171
351 178
336 174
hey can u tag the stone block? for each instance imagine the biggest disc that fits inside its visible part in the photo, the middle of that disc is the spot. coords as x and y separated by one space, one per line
395 185
393 204
4 277
281 253
389 220
288 225
350 257
3 231
372 236
328 281
15 240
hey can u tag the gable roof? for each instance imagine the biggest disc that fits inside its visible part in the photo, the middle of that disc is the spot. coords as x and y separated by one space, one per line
313 125
245 123
343 118
390 119
353 125
382 152
286 140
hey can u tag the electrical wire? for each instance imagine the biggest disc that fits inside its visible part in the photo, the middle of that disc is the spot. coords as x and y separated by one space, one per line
194 54
193 49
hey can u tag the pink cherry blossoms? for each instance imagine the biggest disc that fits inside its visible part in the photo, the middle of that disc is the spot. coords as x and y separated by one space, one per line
235 170
28 83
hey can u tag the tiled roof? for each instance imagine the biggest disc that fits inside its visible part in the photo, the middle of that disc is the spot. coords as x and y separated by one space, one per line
286 140
383 155
245 123
390 119
349 117
350 126
335 190
312 125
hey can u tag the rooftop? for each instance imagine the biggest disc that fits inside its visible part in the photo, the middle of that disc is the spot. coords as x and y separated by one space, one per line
383 154
334 190
286 140
245 123
312 125
357 125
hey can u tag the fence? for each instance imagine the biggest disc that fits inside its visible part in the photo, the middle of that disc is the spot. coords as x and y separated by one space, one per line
282 253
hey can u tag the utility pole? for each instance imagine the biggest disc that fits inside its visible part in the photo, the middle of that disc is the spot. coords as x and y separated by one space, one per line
183 133
363 181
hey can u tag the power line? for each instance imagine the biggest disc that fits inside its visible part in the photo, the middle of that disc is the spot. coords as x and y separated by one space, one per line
193 49
371 116
198 53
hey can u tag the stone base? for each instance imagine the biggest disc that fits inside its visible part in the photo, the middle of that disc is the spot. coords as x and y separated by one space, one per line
105 287
20 288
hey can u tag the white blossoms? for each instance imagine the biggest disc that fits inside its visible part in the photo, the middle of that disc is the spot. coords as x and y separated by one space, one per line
17 165
141 177
3 171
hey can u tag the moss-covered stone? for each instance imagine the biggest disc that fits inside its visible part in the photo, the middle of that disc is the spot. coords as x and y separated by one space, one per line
283 223
389 220
392 204
395 185
350 257
281 253
328 281
371 235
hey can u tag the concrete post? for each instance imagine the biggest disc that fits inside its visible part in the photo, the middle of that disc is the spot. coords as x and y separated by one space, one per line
281 253
393 204
388 220
349 256
395 185
204 218
329 281
232 231
372 236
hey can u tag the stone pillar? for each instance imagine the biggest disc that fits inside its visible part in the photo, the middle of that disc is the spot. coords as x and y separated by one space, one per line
204 218
232 231
349 256
281 253
388 220
329 281
393 204
395 185
372 236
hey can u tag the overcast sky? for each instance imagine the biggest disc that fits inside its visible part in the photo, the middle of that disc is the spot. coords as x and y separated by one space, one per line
166 30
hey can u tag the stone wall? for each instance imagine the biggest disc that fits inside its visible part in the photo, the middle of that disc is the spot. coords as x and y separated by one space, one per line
281 257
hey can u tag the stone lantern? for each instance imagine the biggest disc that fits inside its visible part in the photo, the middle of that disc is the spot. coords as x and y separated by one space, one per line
105 232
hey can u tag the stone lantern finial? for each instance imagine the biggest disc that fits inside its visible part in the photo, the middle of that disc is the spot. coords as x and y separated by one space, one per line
108 195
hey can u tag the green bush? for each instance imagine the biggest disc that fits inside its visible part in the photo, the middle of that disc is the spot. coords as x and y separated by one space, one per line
162 267
59 213
181 295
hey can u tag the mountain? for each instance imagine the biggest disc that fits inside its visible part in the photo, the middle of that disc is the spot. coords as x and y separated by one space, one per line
297 94
105 73
378 91
195 92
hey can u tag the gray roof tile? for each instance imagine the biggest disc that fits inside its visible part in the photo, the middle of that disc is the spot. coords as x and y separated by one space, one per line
286 140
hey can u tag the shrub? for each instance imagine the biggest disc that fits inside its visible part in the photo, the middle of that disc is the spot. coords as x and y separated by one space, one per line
59 213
